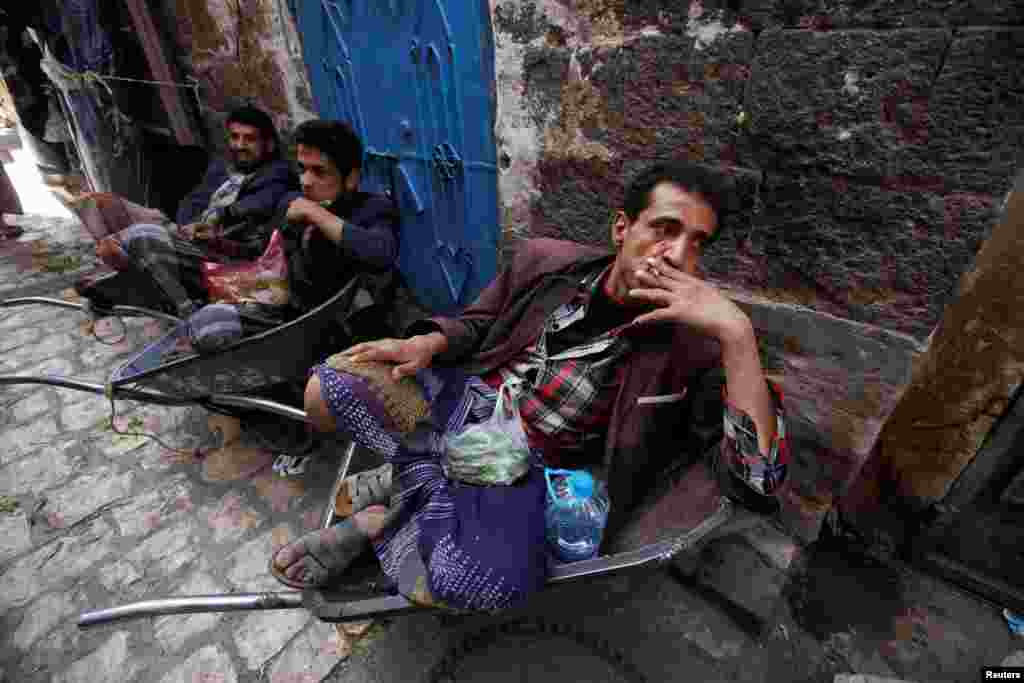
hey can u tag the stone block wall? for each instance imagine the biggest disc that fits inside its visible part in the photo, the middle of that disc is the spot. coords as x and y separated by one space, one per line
240 51
872 142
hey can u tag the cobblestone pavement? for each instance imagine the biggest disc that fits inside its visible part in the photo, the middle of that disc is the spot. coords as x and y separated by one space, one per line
91 519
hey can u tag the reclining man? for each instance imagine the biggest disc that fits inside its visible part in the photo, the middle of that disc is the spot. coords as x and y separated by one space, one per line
226 217
626 358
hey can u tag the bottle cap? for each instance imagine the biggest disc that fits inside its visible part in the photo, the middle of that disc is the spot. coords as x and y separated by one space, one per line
581 484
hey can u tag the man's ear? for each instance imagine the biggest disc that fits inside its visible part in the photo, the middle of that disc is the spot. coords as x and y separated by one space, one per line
619 226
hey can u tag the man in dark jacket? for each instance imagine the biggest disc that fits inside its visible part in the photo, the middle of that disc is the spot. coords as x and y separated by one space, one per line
343 232
630 362
332 232
226 217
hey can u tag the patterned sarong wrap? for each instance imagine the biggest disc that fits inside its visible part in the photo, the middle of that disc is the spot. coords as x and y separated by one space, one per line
452 544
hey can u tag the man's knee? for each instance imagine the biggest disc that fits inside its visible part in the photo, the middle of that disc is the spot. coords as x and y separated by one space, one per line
316 409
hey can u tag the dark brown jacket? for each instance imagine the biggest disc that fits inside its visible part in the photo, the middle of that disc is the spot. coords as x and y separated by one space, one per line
670 407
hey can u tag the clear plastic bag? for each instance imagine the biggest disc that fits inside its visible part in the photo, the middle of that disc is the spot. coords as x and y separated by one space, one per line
495 452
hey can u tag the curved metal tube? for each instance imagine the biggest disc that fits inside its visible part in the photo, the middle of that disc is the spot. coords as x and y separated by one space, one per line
65 383
99 389
60 303
125 311
193 603
257 404
657 553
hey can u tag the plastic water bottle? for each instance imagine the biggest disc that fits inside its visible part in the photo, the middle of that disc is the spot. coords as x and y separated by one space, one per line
576 513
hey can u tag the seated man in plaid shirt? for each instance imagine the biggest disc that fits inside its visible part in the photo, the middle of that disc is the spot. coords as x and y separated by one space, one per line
631 362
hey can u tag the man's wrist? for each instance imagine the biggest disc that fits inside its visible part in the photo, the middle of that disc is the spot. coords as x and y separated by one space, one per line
437 341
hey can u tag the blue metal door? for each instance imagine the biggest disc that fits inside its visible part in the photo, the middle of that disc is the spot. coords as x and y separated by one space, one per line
415 80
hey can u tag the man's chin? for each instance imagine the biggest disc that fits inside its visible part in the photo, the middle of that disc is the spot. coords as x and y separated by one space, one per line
244 165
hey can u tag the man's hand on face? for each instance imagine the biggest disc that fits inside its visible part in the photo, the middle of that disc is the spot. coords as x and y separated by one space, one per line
683 298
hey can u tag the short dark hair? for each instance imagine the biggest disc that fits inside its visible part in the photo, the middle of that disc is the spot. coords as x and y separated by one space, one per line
248 115
336 140
711 186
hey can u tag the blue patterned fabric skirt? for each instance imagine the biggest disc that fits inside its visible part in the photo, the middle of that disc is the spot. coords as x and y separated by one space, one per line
453 544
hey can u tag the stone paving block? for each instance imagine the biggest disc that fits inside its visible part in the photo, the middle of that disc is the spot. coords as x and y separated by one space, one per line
230 518
52 564
28 437
37 472
32 406
41 617
737 572
52 652
702 636
154 508
109 663
14 339
779 548
166 551
263 634
50 346
248 565
208 665
118 576
173 631
87 494
15 537
31 315
310 656
84 414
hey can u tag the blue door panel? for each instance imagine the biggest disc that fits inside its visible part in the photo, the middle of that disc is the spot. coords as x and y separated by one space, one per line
414 79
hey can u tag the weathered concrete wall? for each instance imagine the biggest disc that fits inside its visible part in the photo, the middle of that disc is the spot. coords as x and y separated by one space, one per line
872 142
241 50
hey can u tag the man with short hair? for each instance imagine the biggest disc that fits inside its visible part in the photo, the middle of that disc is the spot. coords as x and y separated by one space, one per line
332 232
347 232
626 357
225 218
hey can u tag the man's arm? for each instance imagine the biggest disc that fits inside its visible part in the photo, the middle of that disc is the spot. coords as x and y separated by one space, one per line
261 197
196 201
444 339
746 385
716 426
370 238
684 299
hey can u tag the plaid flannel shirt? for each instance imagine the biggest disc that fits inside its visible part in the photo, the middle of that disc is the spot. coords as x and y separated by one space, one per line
570 395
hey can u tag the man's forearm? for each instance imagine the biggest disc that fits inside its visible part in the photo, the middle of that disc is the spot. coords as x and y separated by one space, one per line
746 385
